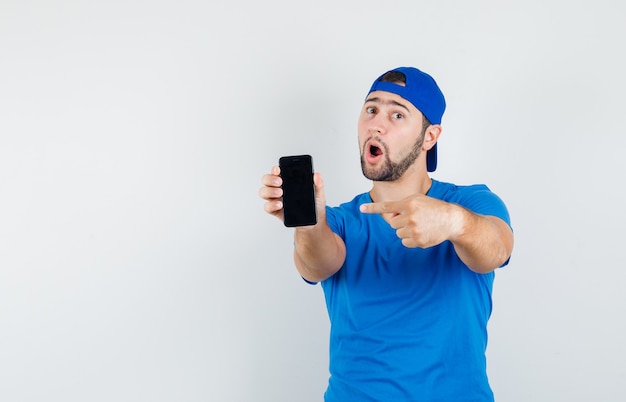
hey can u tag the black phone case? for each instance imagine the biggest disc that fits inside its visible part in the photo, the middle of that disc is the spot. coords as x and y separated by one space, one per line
298 190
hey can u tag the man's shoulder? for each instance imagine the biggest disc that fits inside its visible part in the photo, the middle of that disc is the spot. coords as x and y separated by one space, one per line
338 216
476 197
449 191
354 203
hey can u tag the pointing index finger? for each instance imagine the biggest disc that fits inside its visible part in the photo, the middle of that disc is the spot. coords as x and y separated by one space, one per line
377 208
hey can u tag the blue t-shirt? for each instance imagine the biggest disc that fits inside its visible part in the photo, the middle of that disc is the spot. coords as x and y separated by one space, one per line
407 324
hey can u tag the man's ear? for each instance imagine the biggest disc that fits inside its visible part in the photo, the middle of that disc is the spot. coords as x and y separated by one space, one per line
431 136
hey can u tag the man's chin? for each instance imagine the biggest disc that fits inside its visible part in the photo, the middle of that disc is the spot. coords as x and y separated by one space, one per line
374 174
380 171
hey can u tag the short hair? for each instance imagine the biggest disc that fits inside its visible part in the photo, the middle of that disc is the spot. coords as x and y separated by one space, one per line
393 76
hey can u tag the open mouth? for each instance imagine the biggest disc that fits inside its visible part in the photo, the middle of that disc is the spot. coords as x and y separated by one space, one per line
374 151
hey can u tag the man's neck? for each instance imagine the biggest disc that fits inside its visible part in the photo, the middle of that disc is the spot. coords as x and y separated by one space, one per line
400 189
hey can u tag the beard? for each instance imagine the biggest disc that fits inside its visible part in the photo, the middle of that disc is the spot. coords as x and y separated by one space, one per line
390 170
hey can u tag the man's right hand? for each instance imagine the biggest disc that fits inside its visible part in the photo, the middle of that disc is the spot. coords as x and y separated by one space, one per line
272 193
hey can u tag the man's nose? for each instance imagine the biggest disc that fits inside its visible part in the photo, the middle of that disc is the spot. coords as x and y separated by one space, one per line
378 125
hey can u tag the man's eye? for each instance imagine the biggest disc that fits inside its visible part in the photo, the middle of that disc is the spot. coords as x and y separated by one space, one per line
398 116
370 109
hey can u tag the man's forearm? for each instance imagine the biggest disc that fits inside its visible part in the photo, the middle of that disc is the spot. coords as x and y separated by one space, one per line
483 242
318 252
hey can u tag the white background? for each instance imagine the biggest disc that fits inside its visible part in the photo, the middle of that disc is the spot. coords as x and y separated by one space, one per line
136 263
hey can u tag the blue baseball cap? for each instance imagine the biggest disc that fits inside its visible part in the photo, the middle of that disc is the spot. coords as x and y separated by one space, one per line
423 93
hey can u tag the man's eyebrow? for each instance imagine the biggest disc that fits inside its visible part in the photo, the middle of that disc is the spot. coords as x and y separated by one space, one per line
389 102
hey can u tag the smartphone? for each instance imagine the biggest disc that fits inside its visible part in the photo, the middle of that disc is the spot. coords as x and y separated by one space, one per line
298 190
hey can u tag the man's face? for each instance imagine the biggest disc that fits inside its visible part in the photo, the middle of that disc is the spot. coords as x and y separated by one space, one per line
390 136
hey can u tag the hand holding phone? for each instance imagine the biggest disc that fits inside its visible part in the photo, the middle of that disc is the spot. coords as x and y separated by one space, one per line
298 190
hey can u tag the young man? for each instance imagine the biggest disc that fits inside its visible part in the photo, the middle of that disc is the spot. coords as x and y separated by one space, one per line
406 268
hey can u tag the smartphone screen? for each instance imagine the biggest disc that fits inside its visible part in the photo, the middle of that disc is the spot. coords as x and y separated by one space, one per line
298 190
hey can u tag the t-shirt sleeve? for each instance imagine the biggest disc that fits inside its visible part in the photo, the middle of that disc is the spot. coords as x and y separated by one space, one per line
485 202
334 219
